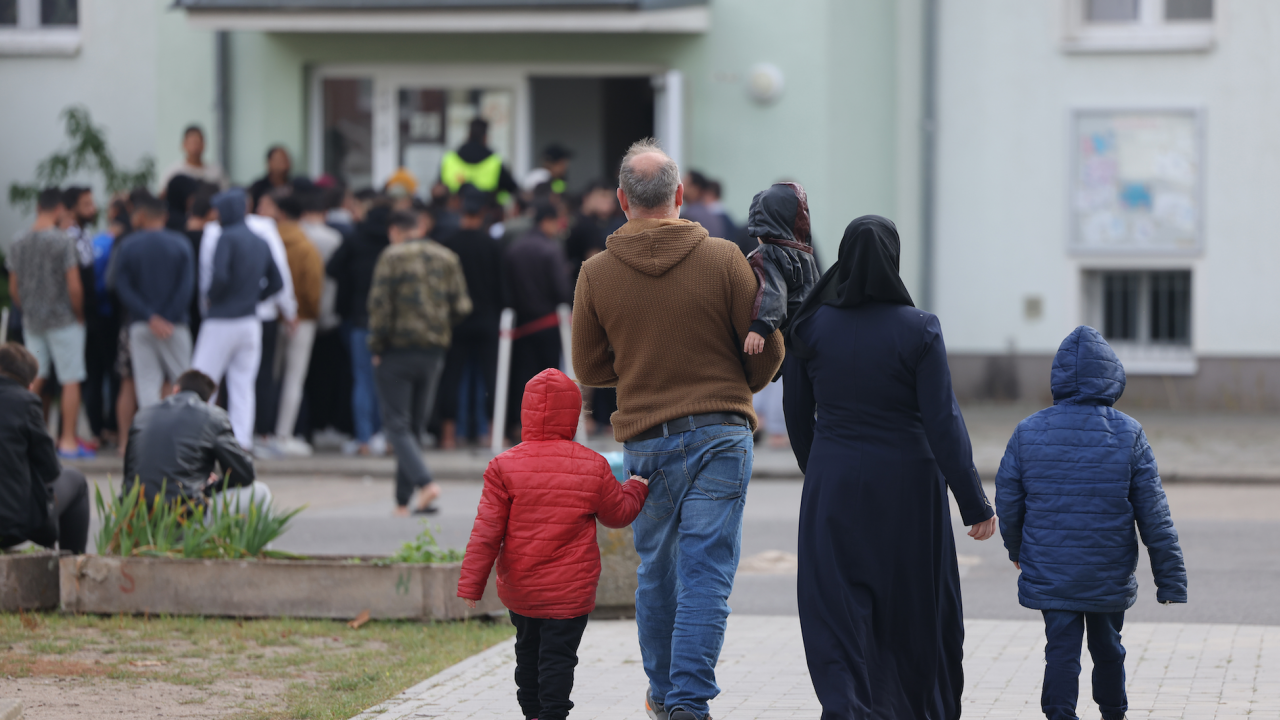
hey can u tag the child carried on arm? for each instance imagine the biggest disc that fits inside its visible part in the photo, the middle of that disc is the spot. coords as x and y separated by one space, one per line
784 264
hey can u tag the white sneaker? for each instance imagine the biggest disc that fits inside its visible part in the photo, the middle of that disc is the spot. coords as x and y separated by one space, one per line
378 445
293 447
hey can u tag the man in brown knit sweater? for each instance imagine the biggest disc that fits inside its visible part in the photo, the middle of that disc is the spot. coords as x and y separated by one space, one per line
662 314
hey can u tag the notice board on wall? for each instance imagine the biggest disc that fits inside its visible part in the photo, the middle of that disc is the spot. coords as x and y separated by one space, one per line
1137 181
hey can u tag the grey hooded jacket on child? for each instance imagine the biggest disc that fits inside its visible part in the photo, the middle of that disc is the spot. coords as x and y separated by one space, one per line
783 263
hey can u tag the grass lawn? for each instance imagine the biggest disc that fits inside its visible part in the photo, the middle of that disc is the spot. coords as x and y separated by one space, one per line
225 668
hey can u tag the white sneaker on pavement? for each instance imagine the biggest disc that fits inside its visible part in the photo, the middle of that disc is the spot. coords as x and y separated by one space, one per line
266 448
293 447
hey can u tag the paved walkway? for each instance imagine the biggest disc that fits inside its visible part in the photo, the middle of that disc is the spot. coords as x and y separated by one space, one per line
1175 670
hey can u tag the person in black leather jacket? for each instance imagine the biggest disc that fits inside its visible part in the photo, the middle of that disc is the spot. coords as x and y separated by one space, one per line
784 264
39 501
177 443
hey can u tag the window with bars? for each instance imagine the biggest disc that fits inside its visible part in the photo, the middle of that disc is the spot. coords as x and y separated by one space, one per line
1145 307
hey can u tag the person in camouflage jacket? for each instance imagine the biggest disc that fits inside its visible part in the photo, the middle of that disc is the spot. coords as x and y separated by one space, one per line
419 293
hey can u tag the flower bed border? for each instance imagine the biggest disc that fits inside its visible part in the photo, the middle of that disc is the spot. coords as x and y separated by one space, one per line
29 580
321 587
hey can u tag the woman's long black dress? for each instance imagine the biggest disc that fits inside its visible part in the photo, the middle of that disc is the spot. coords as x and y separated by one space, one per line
879 590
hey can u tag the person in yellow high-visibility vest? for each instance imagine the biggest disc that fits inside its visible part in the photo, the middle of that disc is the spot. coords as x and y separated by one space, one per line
475 163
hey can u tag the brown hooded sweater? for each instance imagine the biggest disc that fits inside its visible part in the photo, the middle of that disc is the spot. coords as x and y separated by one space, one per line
662 314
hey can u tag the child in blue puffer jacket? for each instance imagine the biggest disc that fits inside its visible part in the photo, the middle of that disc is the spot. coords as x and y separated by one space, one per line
1074 481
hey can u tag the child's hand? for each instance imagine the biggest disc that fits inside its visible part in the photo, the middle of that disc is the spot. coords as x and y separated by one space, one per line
643 480
754 344
984 529
471 603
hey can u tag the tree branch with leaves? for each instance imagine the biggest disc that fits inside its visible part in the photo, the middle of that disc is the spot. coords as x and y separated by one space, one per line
87 153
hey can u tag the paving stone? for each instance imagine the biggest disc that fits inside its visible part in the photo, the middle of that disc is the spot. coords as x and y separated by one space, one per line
1214 672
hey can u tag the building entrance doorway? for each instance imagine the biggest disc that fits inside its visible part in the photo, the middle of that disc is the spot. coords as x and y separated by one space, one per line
595 118
368 121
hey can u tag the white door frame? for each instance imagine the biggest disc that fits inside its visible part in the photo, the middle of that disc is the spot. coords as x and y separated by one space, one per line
389 78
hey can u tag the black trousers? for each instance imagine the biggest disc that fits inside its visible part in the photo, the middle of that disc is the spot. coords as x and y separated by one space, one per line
102 384
530 355
326 397
267 387
467 350
546 654
68 524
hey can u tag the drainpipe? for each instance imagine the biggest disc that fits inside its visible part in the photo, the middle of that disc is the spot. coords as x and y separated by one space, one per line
928 153
222 98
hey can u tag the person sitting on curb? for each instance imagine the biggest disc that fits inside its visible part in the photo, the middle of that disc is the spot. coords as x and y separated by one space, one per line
176 443
1075 480
537 520
39 500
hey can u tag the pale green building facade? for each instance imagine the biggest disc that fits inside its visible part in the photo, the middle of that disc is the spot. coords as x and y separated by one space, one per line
826 92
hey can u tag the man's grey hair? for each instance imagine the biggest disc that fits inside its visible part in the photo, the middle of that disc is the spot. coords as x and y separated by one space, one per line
652 188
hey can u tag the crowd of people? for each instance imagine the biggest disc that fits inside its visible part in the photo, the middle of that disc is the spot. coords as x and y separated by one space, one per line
116 304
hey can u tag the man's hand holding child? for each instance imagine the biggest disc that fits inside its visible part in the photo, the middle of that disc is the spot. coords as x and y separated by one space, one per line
754 344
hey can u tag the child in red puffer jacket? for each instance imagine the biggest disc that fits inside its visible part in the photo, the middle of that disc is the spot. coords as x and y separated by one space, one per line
537 519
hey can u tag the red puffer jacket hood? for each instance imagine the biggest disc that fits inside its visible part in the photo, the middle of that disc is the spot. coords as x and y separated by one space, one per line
538 511
551 407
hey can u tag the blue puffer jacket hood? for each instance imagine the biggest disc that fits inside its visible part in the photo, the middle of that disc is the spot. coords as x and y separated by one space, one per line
1075 482
1086 370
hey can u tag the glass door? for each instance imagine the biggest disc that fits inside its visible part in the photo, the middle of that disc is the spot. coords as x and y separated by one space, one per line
433 121
367 122
347 130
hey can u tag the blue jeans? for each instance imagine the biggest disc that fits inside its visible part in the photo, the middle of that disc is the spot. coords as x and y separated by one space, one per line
364 394
1063 630
689 537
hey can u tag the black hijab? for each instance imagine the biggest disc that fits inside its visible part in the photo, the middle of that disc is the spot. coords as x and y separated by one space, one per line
867 271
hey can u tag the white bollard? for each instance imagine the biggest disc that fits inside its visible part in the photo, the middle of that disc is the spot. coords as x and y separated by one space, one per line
566 349
4 326
499 427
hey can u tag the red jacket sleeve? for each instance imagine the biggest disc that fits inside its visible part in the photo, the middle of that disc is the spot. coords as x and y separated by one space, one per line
620 503
486 535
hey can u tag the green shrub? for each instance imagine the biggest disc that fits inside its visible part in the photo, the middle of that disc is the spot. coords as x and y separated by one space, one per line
179 528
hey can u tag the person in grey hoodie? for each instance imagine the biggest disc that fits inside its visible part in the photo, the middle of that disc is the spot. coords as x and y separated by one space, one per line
237 271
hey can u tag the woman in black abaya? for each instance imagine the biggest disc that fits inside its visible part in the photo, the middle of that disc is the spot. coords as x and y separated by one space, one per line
878 586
